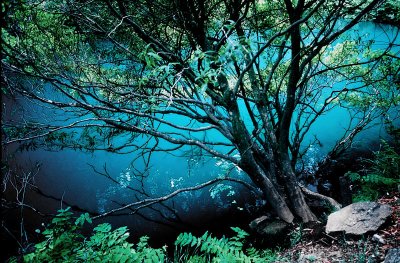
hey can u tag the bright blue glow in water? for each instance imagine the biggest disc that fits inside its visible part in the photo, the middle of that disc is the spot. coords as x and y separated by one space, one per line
67 173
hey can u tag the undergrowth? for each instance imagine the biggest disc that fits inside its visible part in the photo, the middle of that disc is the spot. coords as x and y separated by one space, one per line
62 241
381 176
206 248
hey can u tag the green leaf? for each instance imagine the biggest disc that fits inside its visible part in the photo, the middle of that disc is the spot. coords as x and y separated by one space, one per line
103 228
194 242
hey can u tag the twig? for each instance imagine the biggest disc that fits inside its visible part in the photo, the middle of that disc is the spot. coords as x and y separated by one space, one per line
330 236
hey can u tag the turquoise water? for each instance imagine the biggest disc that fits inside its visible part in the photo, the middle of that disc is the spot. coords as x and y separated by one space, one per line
69 174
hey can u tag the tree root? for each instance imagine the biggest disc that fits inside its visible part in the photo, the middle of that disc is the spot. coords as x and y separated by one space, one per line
321 198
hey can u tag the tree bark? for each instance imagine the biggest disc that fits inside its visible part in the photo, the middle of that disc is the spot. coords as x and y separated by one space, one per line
248 163
321 198
274 198
296 196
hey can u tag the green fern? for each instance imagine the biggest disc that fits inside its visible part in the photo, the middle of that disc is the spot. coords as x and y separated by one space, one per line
63 242
378 179
382 175
206 243
206 248
386 162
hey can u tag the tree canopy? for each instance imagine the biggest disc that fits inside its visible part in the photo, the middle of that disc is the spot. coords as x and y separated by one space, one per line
240 80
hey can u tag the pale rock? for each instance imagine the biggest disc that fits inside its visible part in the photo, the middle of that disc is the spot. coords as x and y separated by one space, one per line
378 239
358 218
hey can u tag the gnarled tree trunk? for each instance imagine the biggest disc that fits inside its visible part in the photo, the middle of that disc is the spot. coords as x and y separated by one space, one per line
297 205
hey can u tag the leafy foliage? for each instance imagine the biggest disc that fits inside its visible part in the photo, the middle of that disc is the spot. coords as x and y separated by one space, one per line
64 242
207 248
388 12
296 236
382 175
244 81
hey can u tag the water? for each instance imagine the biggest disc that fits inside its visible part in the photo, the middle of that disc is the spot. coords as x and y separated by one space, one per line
69 174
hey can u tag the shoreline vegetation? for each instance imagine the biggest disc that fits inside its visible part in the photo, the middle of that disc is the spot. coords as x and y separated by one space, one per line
63 240
240 82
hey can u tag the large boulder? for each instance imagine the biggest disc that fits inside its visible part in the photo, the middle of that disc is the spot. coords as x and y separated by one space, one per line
358 218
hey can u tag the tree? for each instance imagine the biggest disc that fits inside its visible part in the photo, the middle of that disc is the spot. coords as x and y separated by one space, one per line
164 75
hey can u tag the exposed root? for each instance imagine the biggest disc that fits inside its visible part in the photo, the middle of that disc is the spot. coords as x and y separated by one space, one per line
312 195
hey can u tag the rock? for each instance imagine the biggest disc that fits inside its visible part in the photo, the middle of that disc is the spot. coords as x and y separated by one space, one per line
275 228
392 256
267 226
258 221
358 218
378 238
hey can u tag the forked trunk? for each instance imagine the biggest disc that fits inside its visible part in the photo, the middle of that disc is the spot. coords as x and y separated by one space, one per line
263 178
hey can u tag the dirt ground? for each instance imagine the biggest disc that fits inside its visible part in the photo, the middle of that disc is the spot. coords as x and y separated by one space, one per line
341 248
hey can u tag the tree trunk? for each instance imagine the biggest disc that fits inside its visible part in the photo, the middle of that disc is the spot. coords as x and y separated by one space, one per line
289 179
274 198
295 194
261 178
248 161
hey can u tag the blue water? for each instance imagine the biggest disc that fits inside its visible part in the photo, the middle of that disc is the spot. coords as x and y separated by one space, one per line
68 173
